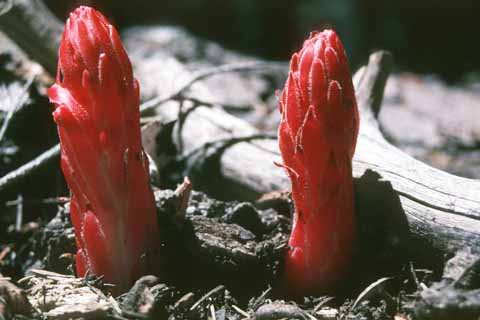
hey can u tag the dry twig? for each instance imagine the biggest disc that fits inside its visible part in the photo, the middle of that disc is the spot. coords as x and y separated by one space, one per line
15 107
39 162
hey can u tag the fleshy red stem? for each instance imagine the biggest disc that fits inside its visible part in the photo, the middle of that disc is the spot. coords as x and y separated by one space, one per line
317 138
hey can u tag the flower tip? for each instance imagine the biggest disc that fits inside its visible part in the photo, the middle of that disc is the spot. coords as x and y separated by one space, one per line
86 15
313 34
81 12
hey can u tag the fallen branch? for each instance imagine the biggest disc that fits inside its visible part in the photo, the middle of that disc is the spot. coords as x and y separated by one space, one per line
34 28
275 310
39 162
14 107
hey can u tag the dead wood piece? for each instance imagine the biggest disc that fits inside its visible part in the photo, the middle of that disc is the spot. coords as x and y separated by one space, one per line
223 244
65 297
277 310
208 296
56 246
183 192
13 300
370 291
22 98
449 304
455 268
140 298
457 296
30 167
34 28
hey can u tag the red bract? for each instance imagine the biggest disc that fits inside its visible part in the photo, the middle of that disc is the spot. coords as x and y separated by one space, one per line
317 137
97 112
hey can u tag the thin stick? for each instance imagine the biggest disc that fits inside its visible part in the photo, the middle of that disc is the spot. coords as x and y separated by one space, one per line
206 296
30 167
15 107
19 219
241 312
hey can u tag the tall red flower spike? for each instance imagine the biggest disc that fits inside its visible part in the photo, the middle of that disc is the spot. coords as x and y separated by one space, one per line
317 138
97 112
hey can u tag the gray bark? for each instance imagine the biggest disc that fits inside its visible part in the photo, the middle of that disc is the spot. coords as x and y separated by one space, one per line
34 28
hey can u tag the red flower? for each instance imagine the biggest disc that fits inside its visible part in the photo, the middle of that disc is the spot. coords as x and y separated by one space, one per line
317 137
97 112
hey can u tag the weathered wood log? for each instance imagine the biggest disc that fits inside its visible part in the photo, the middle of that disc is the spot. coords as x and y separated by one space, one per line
34 28
442 210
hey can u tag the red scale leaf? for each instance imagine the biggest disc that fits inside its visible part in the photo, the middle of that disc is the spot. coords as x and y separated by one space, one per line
304 75
318 83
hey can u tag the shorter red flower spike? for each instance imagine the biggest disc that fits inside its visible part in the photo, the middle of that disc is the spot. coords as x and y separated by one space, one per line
317 138
97 112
